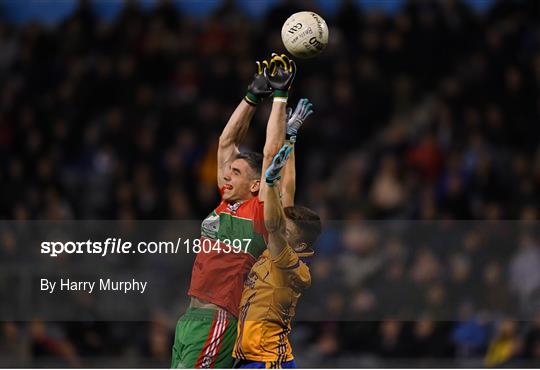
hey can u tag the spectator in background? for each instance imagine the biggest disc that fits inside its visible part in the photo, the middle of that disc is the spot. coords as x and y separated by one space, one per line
505 346
524 272
388 192
13 349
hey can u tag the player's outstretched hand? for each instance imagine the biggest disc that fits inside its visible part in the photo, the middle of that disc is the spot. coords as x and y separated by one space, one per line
296 119
272 174
259 88
280 74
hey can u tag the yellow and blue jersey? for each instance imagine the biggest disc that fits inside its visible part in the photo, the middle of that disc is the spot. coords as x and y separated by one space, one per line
270 295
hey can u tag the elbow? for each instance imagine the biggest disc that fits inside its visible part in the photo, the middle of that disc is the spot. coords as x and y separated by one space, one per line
224 140
287 200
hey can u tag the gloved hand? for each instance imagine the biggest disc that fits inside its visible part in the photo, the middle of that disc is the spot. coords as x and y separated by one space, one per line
259 88
272 174
296 119
280 74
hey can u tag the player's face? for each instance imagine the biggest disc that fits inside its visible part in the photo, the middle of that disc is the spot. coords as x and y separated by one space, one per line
241 182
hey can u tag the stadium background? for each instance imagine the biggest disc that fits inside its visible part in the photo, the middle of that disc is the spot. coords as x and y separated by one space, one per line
424 110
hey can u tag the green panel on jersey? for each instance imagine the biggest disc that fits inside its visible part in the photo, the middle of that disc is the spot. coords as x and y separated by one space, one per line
235 228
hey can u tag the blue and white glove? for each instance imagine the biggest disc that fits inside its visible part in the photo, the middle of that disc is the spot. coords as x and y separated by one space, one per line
272 174
296 119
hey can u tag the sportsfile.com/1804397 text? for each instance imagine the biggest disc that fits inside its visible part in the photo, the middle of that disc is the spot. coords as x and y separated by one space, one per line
119 246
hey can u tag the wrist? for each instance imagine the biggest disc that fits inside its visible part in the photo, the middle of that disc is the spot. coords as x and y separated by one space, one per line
272 181
290 138
281 93
280 96
252 99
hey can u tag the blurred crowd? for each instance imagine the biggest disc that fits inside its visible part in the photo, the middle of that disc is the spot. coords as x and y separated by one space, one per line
428 114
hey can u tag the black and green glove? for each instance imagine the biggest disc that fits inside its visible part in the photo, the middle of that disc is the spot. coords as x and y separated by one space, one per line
280 74
259 88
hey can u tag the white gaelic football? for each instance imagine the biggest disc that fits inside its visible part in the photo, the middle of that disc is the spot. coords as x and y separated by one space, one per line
304 34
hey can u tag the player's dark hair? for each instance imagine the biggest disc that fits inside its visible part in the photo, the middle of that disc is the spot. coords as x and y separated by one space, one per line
254 161
307 221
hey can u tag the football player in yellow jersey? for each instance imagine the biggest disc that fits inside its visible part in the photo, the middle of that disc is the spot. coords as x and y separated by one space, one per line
279 276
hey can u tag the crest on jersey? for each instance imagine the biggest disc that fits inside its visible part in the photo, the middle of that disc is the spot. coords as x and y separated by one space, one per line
250 280
234 207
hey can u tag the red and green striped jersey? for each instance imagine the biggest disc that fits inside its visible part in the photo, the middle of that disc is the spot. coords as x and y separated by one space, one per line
234 236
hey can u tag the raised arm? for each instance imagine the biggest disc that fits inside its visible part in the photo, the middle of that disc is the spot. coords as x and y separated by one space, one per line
280 75
294 121
236 128
275 133
288 183
274 217
232 135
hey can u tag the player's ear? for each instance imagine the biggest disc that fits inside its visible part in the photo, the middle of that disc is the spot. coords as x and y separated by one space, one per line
255 186
300 247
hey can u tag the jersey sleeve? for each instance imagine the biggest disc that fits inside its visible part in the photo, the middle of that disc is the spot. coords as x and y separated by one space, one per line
291 271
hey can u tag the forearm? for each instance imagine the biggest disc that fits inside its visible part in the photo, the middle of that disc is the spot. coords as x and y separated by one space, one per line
233 133
275 133
275 130
274 217
294 121
274 220
237 126
280 74
288 182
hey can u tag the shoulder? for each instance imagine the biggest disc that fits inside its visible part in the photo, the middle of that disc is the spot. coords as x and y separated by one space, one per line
290 270
220 207
255 201
302 278
253 206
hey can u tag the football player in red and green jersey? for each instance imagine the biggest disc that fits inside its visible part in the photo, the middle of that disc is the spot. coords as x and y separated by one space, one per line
206 333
